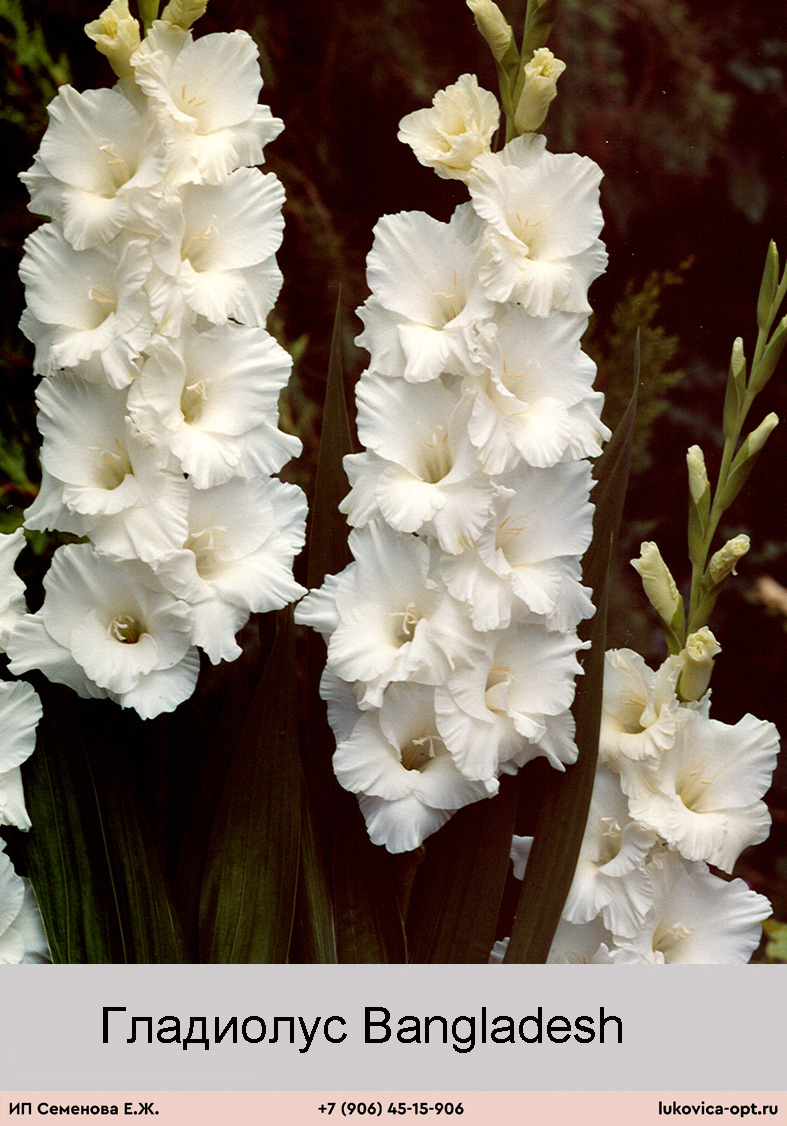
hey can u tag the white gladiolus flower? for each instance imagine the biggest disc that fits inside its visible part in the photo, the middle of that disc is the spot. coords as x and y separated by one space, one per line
540 245
86 307
396 759
696 918
22 937
237 558
526 559
212 399
100 167
532 396
215 253
611 879
702 794
20 712
425 476
640 710
455 131
103 479
393 622
495 708
109 628
12 589
209 89
426 300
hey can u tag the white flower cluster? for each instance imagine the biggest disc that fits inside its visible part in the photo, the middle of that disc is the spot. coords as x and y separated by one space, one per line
147 296
675 792
452 643
22 936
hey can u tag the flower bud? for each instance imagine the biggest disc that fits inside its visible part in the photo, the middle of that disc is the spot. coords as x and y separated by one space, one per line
493 25
116 35
723 563
698 475
540 87
183 13
701 648
760 436
658 583
736 389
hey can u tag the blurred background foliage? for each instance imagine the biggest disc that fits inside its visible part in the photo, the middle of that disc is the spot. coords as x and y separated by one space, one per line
684 107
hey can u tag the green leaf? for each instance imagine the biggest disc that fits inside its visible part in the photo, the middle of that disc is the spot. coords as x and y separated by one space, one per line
314 938
328 550
251 874
459 886
564 809
368 923
90 854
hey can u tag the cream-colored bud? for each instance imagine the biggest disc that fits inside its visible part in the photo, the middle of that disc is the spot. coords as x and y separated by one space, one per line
737 360
541 75
183 13
698 474
701 648
760 436
493 25
725 560
657 582
116 35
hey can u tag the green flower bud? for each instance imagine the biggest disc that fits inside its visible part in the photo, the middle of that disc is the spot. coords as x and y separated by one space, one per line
724 562
148 12
116 35
701 647
768 287
770 358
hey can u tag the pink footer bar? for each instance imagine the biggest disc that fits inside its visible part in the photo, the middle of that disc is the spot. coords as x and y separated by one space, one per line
394 1108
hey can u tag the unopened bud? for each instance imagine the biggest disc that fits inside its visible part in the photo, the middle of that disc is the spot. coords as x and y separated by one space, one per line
183 13
698 474
736 389
768 287
539 89
701 648
724 562
745 459
493 25
760 436
658 583
116 35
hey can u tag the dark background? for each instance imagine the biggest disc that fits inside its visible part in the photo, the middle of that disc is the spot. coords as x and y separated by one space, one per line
684 107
